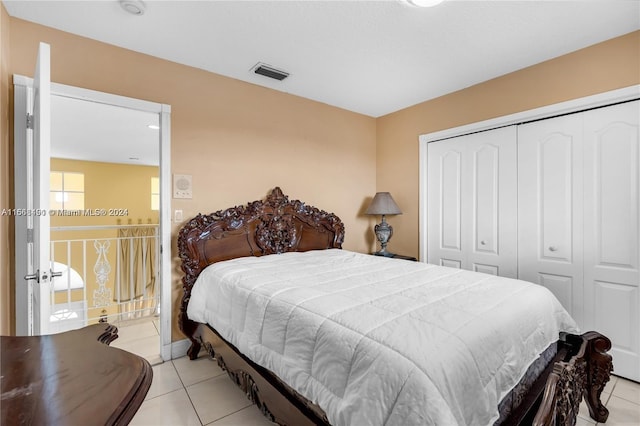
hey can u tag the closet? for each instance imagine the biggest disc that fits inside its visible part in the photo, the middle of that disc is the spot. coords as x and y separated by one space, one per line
554 202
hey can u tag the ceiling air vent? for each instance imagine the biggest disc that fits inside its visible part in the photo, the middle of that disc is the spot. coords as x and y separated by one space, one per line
270 72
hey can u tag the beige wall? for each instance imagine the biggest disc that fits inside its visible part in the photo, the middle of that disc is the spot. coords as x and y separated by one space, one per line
110 186
6 224
605 66
238 140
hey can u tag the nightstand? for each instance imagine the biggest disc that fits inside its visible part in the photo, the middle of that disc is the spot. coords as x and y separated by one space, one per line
396 256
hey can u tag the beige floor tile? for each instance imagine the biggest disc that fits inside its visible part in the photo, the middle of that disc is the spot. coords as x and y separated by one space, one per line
582 422
154 359
146 347
251 416
610 384
584 410
195 371
135 331
626 389
583 413
216 398
171 409
165 380
622 412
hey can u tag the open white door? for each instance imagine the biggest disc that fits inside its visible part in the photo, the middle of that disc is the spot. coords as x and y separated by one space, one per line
38 276
33 249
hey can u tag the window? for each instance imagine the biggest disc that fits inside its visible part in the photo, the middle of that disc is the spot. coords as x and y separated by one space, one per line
66 191
155 193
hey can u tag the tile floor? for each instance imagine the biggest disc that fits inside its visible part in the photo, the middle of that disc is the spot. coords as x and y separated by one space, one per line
622 398
199 393
141 337
182 391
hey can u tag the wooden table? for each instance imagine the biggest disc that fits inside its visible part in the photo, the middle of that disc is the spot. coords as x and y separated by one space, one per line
71 378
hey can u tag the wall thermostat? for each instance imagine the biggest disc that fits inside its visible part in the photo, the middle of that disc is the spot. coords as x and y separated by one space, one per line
182 186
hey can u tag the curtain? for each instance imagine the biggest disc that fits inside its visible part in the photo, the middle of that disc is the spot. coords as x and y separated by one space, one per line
135 289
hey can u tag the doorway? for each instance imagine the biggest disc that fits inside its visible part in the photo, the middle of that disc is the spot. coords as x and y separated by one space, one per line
109 207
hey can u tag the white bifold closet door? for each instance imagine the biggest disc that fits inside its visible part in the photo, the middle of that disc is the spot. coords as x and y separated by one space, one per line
578 232
472 202
611 231
550 208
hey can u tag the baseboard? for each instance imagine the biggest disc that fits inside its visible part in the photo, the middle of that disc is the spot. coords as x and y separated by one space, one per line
179 348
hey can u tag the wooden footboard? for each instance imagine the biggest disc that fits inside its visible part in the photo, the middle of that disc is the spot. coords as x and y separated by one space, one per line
582 374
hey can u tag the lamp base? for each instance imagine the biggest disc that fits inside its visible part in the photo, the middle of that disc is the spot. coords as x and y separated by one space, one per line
384 232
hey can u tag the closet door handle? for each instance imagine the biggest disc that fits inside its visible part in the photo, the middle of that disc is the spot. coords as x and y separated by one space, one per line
553 248
483 243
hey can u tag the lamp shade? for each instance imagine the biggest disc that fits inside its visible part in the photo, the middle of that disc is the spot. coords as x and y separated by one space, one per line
383 204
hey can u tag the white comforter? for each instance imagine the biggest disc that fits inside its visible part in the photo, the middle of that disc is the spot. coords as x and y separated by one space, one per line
378 341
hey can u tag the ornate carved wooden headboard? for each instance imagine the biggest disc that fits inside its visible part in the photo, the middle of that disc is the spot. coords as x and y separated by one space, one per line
275 225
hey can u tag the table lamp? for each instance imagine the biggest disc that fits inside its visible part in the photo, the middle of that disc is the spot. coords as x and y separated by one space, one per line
383 204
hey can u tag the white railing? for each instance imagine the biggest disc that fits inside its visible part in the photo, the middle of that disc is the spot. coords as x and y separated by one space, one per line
108 273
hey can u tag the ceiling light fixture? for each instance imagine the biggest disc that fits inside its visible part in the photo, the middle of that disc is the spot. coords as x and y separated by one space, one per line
425 3
153 126
134 7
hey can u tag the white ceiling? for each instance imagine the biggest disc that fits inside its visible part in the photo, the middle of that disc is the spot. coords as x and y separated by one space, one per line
91 131
370 57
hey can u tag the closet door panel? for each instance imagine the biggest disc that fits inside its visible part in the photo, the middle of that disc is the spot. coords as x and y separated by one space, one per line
561 286
485 203
556 197
472 205
489 202
444 179
450 263
612 234
486 269
450 174
550 207
619 299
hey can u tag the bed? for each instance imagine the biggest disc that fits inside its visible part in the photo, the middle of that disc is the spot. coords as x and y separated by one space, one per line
317 335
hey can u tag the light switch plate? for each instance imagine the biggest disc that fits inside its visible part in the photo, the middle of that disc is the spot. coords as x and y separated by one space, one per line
182 186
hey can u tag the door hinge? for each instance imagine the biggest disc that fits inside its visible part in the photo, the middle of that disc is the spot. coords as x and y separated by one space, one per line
29 121
30 238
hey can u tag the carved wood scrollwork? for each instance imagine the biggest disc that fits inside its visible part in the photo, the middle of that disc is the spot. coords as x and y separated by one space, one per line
209 348
248 386
277 235
598 374
563 394
584 374
108 335
572 384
